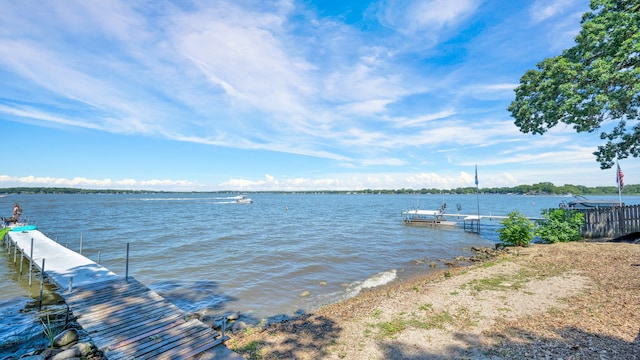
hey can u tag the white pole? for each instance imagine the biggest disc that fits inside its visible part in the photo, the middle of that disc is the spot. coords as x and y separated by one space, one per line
478 199
619 181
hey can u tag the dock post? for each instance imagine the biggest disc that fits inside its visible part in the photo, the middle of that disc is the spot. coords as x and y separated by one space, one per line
70 283
41 284
31 263
126 271
21 259
99 257
80 244
15 253
223 327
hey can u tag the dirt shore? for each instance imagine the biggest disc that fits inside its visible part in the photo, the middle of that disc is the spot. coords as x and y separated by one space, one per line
576 300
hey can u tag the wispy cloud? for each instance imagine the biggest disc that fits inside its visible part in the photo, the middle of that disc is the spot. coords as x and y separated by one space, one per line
425 16
35 181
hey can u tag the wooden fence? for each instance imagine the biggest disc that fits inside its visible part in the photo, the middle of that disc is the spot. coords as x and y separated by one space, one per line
611 222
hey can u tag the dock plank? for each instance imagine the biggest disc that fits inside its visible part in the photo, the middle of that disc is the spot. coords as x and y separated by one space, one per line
110 311
109 335
152 346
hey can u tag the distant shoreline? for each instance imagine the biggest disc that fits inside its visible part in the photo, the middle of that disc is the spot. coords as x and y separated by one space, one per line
542 189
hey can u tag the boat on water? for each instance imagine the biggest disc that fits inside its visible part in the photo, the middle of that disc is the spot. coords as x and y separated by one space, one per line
582 203
427 217
243 200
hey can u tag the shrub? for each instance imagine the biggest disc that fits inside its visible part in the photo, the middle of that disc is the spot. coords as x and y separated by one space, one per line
517 230
560 225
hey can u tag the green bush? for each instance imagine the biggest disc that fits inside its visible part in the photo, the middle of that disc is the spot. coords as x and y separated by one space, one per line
560 225
517 230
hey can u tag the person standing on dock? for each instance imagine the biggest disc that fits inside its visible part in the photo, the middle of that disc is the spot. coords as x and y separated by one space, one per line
17 211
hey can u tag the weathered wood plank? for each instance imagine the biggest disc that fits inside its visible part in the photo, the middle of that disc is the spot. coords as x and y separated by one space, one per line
151 346
109 336
127 328
180 346
94 296
135 344
118 309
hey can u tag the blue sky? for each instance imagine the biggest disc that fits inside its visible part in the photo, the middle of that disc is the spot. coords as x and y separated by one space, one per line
282 95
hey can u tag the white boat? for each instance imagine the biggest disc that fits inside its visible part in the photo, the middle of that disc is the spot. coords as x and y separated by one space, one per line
244 200
582 203
427 217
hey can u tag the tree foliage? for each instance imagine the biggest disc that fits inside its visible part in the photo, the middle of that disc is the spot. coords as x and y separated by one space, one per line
517 230
592 84
560 225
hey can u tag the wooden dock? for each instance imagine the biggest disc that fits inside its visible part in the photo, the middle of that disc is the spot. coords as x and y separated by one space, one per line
124 318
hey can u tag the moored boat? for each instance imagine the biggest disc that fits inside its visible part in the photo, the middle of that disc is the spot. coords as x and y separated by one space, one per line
426 217
581 203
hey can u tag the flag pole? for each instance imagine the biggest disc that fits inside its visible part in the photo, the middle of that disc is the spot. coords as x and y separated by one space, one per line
477 199
620 195
619 177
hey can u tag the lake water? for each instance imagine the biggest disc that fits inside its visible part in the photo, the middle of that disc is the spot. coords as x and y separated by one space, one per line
204 251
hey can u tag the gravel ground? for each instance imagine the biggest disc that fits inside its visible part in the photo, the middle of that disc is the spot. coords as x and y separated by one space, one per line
576 300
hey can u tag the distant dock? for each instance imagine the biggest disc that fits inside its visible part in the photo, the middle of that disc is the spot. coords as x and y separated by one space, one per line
124 318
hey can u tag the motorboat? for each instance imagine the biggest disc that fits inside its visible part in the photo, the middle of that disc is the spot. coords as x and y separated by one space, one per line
243 200
581 203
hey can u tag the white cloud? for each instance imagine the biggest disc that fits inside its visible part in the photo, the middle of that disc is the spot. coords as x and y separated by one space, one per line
542 10
425 16
87 183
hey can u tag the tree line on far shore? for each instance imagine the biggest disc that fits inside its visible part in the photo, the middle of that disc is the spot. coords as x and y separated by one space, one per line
543 188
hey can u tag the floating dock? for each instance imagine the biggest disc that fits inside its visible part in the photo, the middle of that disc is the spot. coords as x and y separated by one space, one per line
124 318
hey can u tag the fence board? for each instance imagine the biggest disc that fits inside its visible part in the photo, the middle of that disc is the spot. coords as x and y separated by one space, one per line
611 222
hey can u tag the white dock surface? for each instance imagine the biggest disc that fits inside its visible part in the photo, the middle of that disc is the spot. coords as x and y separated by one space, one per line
61 264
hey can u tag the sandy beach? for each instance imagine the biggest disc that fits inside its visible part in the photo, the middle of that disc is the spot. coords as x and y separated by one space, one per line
563 301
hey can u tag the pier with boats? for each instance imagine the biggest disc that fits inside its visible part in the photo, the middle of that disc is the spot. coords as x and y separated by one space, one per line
439 217
124 318
603 218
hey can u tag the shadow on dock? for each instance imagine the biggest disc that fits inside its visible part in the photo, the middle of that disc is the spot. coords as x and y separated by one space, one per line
127 320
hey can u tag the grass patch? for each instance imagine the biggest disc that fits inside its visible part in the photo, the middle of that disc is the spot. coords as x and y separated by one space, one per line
376 313
501 282
252 350
426 306
439 320
496 282
488 264
391 328
433 320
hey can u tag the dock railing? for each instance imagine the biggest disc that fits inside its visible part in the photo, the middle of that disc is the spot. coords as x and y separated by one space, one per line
611 222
